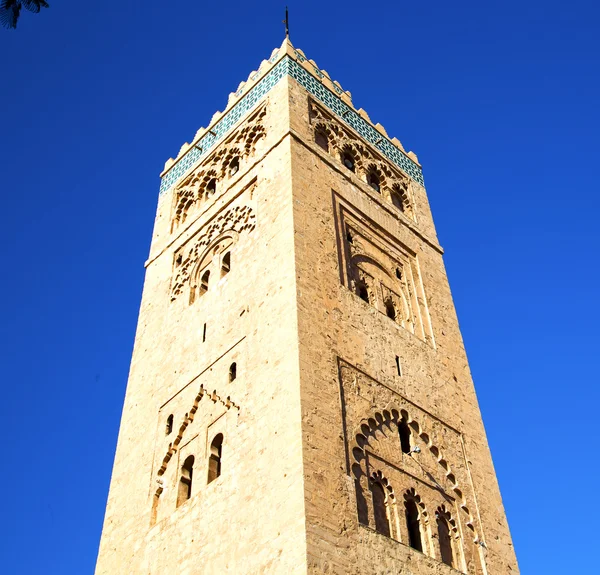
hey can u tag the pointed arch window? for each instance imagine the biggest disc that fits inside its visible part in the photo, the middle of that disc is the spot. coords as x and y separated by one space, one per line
214 459
445 536
232 372
413 524
226 264
383 503
348 161
321 139
234 166
404 432
382 524
204 282
185 481
211 187
374 181
169 426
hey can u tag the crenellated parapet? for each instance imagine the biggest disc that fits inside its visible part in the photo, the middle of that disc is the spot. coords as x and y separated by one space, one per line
287 61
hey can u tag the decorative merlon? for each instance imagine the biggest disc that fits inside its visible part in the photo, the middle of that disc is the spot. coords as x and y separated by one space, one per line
287 60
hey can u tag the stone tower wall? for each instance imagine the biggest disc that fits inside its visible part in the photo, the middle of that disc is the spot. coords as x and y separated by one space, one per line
350 379
251 518
324 380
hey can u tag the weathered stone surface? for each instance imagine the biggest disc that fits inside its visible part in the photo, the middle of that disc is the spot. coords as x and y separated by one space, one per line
324 381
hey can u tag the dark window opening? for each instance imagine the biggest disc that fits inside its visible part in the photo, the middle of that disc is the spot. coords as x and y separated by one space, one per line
363 293
234 166
398 273
348 161
413 525
382 525
373 181
179 260
321 140
204 334
232 372
390 310
185 482
204 282
226 264
445 541
169 426
349 237
398 366
214 460
404 432
397 200
211 187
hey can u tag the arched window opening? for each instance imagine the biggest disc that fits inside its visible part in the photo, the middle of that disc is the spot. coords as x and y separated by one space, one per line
373 181
234 166
204 282
363 292
445 539
382 524
404 432
169 426
397 200
413 523
226 264
321 140
232 371
398 273
214 460
349 237
211 187
185 481
390 310
348 161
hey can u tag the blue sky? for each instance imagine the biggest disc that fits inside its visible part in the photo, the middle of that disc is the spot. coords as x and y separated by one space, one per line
499 101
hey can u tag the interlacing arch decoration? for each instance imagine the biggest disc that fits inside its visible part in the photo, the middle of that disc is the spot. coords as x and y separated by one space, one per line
173 448
355 156
386 423
188 260
211 176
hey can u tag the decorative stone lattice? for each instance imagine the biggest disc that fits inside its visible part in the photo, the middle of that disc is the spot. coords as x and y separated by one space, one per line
373 440
393 185
199 187
237 219
287 66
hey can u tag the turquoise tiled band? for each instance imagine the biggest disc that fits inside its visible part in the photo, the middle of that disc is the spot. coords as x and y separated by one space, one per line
257 93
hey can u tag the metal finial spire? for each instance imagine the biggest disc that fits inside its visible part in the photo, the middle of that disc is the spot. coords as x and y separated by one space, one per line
287 23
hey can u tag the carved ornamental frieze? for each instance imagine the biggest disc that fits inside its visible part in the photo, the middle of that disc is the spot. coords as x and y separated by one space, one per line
410 472
213 238
392 184
381 271
214 174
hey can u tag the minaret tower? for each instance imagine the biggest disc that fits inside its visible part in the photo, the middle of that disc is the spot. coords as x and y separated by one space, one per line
299 399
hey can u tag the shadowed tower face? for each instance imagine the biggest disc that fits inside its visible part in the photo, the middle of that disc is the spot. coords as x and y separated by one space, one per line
299 399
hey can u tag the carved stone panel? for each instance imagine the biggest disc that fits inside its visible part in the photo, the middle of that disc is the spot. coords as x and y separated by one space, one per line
404 460
380 270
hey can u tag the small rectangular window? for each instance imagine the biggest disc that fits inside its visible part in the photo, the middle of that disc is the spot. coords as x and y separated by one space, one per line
398 366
